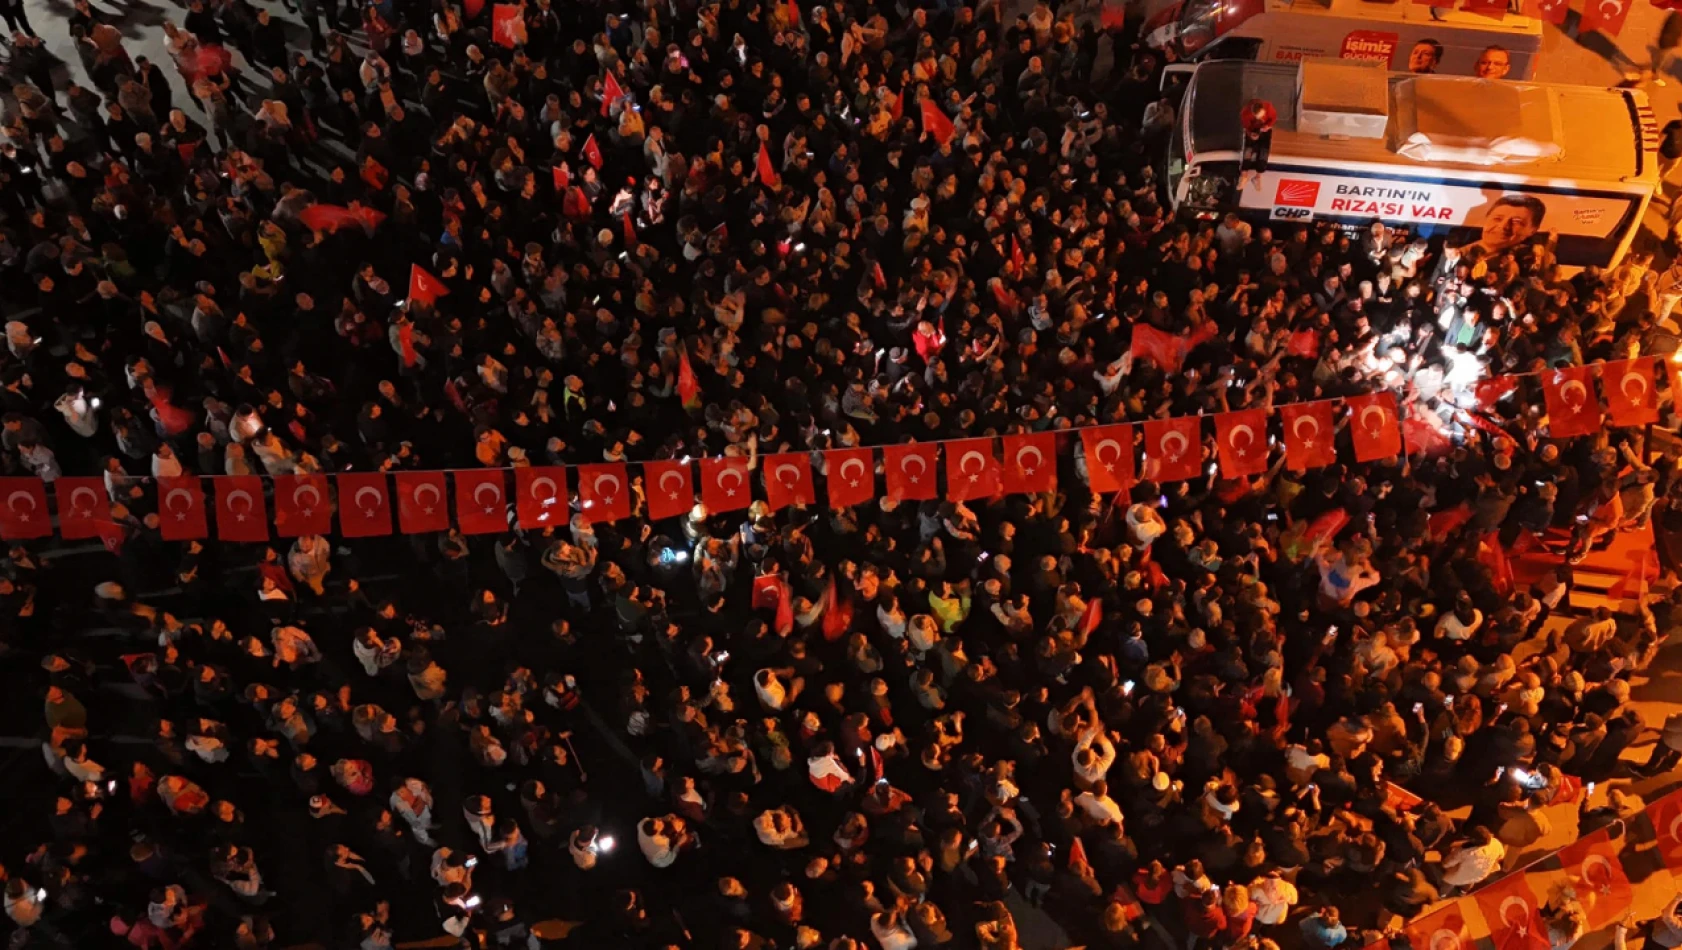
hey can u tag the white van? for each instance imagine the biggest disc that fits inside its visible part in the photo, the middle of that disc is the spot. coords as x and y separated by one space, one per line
1491 163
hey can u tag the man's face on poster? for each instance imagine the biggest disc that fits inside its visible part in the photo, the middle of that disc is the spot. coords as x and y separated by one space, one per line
1494 63
1507 227
1423 58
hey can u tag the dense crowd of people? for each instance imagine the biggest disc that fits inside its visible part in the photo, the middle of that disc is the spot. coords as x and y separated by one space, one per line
1185 707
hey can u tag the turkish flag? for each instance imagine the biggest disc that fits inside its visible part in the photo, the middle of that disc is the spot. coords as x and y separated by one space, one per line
1164 349
936 123
1631 395
364 504
669 487
1173 448
767 171
1373 426
1490 391
180 509
26 515
593 152
540 496
611 92
1444 929
788 480
301 506
240 512
1109 457
1597 875
1423 432
1511 910
688 387
472 8
421 507
1606 16
561 178
423 287
1573 408
481 501
851 477
910 470
1241 442
82 507
1304 343
507 26
1553 11
1310 434
1017 258
971 470
725 484
1666 816
604 492
1495 9
1030 464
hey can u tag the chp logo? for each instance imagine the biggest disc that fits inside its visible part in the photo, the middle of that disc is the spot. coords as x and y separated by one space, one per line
1369 46
1294 199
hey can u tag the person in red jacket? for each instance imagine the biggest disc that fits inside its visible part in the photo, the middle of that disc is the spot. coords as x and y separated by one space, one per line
1204 919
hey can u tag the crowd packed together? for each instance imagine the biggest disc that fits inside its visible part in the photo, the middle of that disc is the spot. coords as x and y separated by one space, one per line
964 725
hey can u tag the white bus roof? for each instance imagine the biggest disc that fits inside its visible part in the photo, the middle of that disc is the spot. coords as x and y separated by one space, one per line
1406 11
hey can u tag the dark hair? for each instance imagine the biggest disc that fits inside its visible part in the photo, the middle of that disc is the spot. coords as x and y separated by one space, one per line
1436 48
1530 203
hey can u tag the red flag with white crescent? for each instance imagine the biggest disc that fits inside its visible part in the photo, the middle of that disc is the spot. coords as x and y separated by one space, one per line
1573 408
669 488
1443 929
611 92
25 514
540 496
1030 464
604 492
936 124
1241 442
1109 457
788 480
508 25
593 152
1373 426
421 507
909 470
1513 914
364 504
971 470
481 501
1632 397
1605 16
181 515
424 288
1597 875
851 477
301 506
241 515
1310 434
1173 449
766 169
82 506
725 484
1666 816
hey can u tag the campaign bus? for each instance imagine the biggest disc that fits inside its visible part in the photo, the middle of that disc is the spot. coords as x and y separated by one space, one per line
1402 36
1493 163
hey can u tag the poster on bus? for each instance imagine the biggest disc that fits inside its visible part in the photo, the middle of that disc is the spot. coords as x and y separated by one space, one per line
1421 48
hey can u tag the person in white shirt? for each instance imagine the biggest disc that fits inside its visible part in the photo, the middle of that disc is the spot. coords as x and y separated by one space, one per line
661 839
1098 804
1274 897
1094 754
1472 861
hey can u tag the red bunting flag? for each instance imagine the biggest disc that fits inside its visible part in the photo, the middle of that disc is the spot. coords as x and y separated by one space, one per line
1173 449
508 27
481 501
1512 913
909 471
669 487
604 492
971 470
240 513
593 152
1444 929
301 506
1030 464
423 287
766 170
851 475
26 515
1494 9
1573 408
1605 16
364 504
936 124
1491 391
1631 394
1109 458
1552 11
725 484
1241 442
1423 433
82 507
1164 349
788 480
611 92
1373 426
562 178
421 507
181 514
1666 816
1597 875
540 497
1310 434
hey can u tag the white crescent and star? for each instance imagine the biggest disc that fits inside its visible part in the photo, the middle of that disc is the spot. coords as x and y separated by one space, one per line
1675 829
735 480
1611 9
607 495
238 513
1640 381
1181 443
169 503
852 480
1313 430
1039 459
1242 451
1108 463
479 496
76 497
1372 428
674 474
1574 386
792 481
1594 861
305 488
427 488
1445 940
1523 923
905 467
368 510
981 465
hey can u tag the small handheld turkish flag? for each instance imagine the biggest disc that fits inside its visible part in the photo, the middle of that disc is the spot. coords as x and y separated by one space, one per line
1594 868
561 177
364 504
1241 442
611 92
1173 448
971 470
593 152
508 26
936 124
724 484
1553 11
180 509
301 506
240 513
851 477
423 287
481 501
1109 457
540 496
1164 349
767 171
669 488
25 514
1373 426
604 492
1310 434
910 471
82 506
1666 817
1573 408
1630 391
420 503
788 480
1030 465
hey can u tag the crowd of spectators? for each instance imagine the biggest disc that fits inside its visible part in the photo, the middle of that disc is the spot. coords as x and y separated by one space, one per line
1178 708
